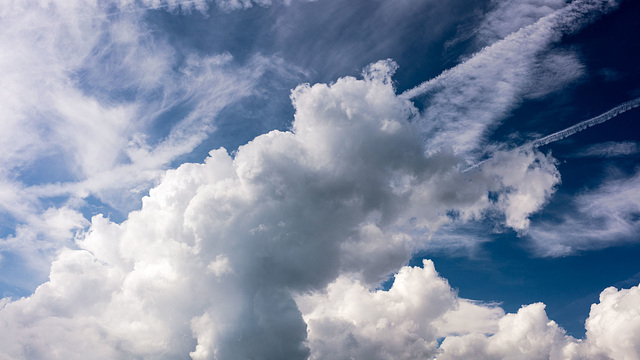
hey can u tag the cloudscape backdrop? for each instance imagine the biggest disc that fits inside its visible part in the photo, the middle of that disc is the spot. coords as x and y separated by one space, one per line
330 179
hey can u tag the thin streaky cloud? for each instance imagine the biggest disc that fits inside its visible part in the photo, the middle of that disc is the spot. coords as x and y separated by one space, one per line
116 13
609 149
548 29
464 104
572 130
604 216
563 134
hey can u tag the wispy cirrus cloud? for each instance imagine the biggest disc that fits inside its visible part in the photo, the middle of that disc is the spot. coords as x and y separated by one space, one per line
466 101
609 149
507 17
604 216
96 103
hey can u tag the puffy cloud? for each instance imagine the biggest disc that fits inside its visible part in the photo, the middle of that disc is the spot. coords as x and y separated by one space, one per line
528 334
421 317
530 181
269 252
351 322
96 116
614 324
101 103
35 244
210 263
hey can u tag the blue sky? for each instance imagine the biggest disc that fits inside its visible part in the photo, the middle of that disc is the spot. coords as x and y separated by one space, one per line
330 179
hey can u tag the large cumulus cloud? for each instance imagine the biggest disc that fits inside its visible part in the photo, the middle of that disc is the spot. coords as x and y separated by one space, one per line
274 251
211 263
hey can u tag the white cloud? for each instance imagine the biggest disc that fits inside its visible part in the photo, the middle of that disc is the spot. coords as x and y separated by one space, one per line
605 216
421 317
51 50
351 322
613 325
230 5
270 252
529 178
502 19
609 149
87 91
36 242
553 71
70 64
218 248
528 334
241 4
463 103
508 17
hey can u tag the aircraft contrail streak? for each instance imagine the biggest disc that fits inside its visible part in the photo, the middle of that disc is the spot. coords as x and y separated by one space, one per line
563 134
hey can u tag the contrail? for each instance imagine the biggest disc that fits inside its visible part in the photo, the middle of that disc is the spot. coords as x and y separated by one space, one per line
563 134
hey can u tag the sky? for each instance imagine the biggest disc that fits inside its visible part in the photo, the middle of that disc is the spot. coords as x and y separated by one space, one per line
329 179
